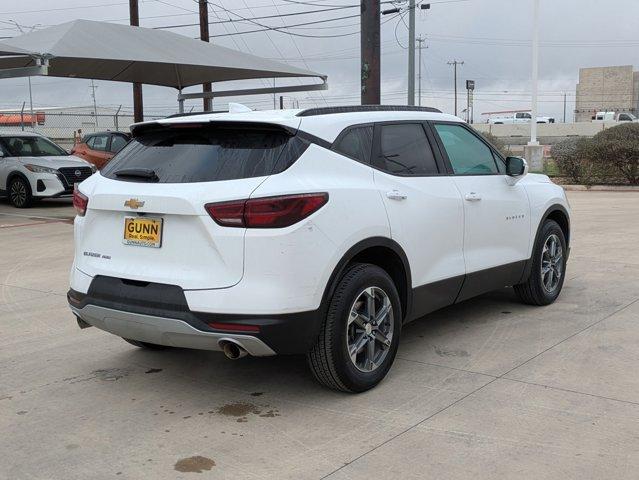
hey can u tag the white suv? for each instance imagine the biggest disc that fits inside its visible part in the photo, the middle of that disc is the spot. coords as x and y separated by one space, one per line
319 231
33 167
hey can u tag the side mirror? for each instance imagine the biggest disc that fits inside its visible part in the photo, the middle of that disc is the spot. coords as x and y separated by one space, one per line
516 168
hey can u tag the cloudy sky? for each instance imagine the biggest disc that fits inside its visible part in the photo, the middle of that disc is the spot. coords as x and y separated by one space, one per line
492 37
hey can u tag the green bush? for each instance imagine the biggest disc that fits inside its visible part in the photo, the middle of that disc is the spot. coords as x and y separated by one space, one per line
615 151
572 160
498 143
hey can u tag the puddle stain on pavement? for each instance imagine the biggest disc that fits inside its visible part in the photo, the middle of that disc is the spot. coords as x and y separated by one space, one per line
195 464
241 410
107 375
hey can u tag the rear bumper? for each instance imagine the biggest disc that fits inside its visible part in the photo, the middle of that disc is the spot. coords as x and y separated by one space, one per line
159 313
165 331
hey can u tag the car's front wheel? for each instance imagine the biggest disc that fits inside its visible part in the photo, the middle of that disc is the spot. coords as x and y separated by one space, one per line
20 193
548 271
360 335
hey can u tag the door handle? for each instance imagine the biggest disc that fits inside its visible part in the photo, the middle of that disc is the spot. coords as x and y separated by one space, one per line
396 195
472 197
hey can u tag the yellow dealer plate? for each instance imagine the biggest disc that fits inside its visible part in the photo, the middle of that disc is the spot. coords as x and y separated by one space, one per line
143 231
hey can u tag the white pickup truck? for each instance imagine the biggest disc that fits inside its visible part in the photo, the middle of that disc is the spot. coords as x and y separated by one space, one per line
518 117
614 117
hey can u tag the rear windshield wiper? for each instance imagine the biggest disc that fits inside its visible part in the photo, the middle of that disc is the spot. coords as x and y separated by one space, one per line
143 173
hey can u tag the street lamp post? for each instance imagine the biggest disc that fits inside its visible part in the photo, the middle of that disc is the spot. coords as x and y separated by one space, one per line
535 73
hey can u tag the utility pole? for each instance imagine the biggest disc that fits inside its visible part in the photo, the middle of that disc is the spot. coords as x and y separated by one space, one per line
411 52
370 52
204 36
454 63
95 107
421 41
564 107
138 105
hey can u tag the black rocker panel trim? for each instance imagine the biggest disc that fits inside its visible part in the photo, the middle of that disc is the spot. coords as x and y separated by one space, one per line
491 279
433 296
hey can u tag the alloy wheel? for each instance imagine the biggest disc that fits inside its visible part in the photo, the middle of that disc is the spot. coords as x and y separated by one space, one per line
18 193
551 263
369 329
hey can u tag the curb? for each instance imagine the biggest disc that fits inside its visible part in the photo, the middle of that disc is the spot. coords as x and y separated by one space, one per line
601 188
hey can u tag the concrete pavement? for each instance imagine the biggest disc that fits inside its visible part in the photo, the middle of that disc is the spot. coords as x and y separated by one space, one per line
486 389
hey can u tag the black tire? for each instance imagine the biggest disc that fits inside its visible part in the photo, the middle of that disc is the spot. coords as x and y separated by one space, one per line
148 346
329 359
533 291
19 193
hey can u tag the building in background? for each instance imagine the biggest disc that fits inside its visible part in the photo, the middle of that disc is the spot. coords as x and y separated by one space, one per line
606 89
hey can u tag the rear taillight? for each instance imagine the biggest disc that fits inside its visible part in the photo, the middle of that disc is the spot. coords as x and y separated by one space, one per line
80 202
269 212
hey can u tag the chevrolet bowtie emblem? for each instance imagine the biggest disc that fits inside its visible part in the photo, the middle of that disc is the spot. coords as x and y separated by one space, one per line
133 203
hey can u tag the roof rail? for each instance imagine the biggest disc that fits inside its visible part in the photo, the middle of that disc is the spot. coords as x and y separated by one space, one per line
311 112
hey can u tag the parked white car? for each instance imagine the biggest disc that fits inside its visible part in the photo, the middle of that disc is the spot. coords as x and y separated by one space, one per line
33 167
318 231
518 117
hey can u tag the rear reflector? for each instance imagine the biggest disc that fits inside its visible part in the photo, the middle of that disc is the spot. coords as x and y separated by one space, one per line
235 327
80 201
268 212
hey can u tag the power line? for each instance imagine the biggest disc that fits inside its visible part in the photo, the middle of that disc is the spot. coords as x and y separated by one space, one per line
252 19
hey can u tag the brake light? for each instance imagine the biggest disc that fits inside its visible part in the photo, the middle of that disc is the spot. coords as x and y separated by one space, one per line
80 201
268 212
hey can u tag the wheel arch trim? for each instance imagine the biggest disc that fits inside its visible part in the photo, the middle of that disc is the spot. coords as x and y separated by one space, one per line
549 211
359 247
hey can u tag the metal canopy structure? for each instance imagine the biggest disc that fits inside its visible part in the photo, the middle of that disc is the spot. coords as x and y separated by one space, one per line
121 53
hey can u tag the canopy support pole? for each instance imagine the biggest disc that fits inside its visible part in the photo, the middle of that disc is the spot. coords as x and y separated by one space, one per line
180 102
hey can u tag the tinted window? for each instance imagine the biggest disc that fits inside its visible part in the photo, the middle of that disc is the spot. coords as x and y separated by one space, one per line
404 150
467 154
99 142
206 154
32 147
117 143
357 143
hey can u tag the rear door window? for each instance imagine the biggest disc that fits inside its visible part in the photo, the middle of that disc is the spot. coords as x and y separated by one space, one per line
405 150
206 154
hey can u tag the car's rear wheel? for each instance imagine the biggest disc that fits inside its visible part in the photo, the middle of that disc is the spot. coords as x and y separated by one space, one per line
360 335
547 274
148 346
20 193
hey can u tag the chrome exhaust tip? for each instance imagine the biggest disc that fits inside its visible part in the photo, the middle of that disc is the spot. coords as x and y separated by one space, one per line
232 350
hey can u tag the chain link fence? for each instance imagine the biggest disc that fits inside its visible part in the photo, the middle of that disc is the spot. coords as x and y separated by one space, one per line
64 127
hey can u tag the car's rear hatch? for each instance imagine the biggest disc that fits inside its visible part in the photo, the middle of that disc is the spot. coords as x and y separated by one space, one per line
146 219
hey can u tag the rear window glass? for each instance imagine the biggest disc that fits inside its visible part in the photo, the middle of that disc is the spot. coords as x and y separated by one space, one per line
205 154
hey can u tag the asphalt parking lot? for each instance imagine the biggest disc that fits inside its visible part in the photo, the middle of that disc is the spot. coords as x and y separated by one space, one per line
486 389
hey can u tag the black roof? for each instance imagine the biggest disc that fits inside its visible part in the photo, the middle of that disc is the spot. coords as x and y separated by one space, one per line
311 112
